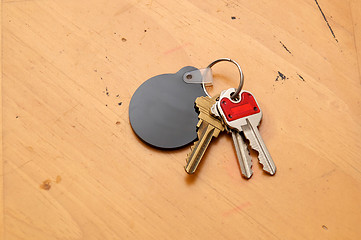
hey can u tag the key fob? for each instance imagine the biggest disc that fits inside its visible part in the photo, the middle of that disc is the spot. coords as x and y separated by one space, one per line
162 112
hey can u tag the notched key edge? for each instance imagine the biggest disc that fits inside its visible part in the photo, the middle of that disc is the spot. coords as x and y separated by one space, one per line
249 133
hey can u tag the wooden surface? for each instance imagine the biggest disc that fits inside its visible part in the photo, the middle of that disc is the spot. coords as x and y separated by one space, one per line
74 169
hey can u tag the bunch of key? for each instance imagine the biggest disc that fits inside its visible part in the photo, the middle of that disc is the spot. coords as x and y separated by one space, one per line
241 118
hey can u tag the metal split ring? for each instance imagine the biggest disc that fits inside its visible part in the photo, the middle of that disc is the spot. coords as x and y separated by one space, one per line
241 80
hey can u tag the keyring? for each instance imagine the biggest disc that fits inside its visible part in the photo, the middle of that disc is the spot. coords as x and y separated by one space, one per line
241 81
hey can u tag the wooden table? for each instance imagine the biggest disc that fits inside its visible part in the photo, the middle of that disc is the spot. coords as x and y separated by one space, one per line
73 168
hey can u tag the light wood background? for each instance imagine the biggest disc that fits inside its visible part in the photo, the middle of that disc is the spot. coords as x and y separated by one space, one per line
73 168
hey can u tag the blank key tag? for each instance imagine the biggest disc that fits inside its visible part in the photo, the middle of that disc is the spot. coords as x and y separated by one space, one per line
203 75
161 111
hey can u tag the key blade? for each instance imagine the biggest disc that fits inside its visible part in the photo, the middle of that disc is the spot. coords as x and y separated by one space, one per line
252 134
208 127
205 134
244 159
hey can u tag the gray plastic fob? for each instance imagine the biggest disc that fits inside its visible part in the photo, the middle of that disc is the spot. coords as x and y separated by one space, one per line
162 111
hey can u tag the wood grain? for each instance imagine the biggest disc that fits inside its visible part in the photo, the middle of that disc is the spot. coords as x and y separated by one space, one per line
1 141
355 9
73 168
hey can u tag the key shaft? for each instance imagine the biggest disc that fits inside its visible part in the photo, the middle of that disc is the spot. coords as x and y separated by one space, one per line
244 159
206 133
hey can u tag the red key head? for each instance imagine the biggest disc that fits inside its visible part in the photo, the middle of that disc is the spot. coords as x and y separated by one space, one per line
246 107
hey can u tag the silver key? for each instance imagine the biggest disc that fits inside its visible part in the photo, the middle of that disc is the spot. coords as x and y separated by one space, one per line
244 159
244 116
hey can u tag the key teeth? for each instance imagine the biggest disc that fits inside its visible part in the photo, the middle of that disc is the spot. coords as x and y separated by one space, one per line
195 142
263 161
270 171
260 157
192 148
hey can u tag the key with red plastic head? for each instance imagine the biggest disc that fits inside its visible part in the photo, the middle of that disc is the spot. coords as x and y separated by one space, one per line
244 115
240 145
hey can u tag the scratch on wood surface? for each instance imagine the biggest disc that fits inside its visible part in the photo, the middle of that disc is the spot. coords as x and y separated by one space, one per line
358 58
237 209
301 77
66 112
177 48
328 173
16 168
284 46
123 9
324 17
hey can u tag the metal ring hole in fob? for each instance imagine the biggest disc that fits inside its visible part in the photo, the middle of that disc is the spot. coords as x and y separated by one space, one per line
241 77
